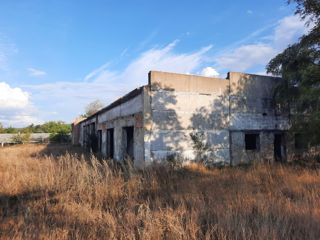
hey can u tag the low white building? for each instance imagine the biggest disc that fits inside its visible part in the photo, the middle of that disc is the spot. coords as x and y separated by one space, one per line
234 117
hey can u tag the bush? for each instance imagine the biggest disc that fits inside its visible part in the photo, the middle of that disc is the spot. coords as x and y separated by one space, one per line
200 146
21 138
174 161
61 137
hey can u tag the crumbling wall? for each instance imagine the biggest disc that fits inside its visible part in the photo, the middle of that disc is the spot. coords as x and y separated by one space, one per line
76 128
127 114
252 110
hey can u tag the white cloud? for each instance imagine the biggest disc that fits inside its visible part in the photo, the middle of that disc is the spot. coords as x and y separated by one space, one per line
249 11
35 72
12 98
246 56
286 32
15 107
19 120
103 83
209 72
70 98
163 59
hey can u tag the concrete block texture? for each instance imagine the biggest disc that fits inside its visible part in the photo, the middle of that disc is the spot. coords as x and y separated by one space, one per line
187 110
172 106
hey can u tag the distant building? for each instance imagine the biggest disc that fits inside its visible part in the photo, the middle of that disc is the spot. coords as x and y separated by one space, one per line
235 116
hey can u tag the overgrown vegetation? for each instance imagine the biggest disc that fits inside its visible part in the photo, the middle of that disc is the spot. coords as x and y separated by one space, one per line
299 67
21 138
60 137
48 127
92 108
46 193
200 146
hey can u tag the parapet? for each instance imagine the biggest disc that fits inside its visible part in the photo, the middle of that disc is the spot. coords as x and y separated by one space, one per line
187 83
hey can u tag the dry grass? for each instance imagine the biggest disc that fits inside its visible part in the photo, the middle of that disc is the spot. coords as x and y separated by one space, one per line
46 196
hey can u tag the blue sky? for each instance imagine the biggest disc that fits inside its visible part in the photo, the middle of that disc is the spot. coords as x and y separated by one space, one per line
57 56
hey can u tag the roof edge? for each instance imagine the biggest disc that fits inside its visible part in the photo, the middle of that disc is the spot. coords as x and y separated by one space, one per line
116 103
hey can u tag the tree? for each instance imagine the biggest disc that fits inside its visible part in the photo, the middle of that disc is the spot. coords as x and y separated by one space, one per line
299 67
93 107
55 127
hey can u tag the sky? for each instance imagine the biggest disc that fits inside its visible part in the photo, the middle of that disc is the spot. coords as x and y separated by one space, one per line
56 56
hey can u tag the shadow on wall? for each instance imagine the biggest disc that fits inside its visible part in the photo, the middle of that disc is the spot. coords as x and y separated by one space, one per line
211 123
190 125
255 120
167 136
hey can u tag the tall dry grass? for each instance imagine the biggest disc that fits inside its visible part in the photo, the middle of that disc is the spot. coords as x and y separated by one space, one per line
69 196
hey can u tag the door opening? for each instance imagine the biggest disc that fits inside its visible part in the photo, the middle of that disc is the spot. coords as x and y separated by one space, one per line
127 142
110 142
99 132
279 148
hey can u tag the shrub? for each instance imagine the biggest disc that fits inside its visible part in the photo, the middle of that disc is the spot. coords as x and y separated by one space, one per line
61 137
21 138
199 146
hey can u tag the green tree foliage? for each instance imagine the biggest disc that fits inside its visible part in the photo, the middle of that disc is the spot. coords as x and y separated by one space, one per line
55 127
21 138
299 67
11 130
48 127
60 137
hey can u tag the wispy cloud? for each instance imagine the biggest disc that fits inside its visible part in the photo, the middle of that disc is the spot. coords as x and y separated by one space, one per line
285 32
249 11
124 51
245 57
35 72
7 48
97 71
147 40
70 98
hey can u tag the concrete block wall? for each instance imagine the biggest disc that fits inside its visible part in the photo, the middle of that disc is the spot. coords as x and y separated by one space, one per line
184 104
35 137
252 109
126 114
241 156
172 106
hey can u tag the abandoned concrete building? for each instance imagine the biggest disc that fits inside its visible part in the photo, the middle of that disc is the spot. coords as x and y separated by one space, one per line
234 117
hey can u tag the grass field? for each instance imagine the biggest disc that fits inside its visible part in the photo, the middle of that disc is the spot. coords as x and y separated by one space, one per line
46 193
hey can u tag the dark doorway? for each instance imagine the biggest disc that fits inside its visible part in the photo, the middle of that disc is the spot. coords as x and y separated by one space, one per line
127 142
99 132
110 142
279 148
92 128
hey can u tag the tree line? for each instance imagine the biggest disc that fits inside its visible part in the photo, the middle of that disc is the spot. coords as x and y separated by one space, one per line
48 127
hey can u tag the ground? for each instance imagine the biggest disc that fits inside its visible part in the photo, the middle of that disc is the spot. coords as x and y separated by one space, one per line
55 192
